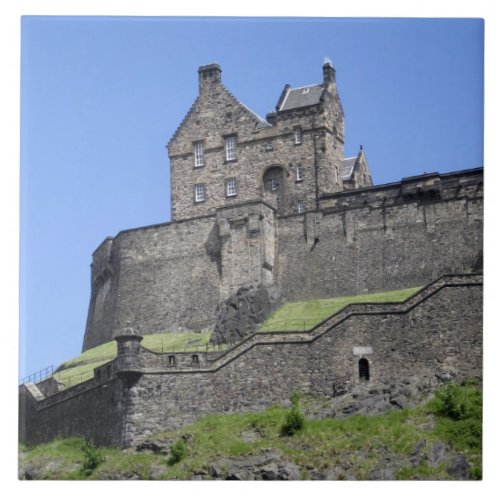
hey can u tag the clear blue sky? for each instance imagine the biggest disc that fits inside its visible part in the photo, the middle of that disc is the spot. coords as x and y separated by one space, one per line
101 97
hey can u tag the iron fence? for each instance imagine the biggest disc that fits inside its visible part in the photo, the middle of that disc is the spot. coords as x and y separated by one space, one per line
70 381
289 325
38 376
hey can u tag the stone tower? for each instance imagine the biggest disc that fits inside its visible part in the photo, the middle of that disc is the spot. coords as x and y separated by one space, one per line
223 154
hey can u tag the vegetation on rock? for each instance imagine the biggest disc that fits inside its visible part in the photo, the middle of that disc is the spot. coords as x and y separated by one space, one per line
439 440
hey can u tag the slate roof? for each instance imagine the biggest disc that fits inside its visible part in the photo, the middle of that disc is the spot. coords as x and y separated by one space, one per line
347 168
301 97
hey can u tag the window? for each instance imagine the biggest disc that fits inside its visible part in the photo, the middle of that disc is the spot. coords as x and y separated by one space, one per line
364 369
195 359
171 360
231 148
298 135
199 193
300 207
299 173
231 187
199 156
275 184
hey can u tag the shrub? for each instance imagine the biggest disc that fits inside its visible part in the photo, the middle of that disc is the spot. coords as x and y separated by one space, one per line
459 408
459 403
294 421
93 458
177 452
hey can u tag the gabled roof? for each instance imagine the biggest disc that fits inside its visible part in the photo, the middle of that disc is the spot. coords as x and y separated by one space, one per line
301 97
261 123
347 168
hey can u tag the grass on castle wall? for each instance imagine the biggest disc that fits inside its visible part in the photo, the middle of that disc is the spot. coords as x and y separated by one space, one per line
291 316
305 315
81 368
360 441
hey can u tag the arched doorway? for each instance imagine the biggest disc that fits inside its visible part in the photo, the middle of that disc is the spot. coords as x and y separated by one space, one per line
364 369
274 191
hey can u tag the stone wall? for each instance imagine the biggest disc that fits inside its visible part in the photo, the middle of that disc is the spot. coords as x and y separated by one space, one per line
439 330
173 276
383 238
216 114
91 410
158 278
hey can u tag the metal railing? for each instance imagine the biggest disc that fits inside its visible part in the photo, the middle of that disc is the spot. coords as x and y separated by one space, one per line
70 381
38 376
290 325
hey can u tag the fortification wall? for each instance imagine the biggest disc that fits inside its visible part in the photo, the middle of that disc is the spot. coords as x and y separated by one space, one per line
384 238
157 278
437 331
172 276
427 340
91 410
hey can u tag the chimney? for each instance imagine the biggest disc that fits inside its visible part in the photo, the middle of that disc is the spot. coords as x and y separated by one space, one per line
328 72
209 76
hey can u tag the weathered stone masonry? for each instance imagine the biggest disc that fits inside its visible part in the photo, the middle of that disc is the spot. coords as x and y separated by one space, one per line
439 330
172 276
273 203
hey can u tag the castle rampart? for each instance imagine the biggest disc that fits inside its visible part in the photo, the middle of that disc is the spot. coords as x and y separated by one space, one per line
436 331
172 276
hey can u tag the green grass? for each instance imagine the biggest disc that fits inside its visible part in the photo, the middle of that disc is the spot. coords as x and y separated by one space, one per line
291 316
81 368
305 315
176 342
360 442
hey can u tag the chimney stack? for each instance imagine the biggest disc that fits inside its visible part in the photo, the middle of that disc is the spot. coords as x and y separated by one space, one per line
208 76
328 72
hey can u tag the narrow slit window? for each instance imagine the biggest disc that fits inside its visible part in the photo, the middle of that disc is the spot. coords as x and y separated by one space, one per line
195 359
171 360
298 135
364 369
300 207
299 173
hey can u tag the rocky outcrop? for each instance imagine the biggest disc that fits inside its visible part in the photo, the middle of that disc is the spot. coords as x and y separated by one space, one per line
376 398
239 315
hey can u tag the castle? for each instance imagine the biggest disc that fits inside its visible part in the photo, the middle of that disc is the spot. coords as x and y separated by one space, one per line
272 202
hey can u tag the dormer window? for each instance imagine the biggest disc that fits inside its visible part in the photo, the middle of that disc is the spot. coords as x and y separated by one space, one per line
199 155
298 135
231 148
231 187
299 173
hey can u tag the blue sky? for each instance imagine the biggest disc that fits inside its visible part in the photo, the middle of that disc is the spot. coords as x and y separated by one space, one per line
101 97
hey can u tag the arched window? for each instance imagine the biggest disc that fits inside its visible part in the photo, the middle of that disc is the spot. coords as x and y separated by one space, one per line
364 369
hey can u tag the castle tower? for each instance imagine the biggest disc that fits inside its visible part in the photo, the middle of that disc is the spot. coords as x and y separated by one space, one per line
224 154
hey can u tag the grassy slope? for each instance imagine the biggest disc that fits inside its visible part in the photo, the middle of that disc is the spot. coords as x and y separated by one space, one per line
81 368
304 315
359 443
293 315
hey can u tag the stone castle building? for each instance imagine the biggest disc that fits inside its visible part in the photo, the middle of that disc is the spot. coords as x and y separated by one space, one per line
273 202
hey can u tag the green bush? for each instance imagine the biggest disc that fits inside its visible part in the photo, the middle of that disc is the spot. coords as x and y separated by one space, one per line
177 451
294 420
460 408
459 402
93 458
